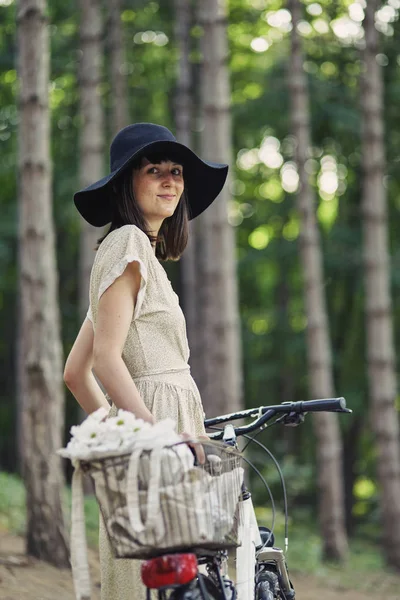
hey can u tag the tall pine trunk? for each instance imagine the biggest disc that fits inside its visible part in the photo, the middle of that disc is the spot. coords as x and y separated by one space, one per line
119 96
220 381
378 305
41 351
183 120
329 446
91 160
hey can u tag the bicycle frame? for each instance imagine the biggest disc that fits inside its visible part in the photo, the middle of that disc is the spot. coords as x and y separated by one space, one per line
250 539
247 556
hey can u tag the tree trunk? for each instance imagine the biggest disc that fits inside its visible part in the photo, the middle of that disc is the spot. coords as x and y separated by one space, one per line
351 443
183 119
41 350
220 381
119 96
329 448
378 306
91 164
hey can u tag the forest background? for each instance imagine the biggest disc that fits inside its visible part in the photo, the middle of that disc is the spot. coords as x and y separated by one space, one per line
261 208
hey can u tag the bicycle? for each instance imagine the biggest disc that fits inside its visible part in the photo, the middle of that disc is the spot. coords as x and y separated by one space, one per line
261 570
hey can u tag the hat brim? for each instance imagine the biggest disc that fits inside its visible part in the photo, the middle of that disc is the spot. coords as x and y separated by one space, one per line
203 182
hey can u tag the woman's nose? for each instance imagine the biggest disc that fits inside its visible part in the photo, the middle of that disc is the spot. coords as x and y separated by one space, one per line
167 177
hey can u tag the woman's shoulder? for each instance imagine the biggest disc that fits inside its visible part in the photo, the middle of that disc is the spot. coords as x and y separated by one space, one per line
121 246
127 236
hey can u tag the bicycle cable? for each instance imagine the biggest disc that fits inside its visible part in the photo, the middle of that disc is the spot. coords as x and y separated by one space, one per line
273 519
281 477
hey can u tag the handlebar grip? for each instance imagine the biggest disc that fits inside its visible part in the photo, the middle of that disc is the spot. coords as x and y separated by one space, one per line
324 405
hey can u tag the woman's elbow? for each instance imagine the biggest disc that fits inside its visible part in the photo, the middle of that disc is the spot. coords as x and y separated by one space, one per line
73 374
70 376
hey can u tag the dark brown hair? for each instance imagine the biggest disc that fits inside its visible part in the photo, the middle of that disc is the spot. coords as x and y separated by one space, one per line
173 235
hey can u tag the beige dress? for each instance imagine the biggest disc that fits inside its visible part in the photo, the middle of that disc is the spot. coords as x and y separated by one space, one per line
156 354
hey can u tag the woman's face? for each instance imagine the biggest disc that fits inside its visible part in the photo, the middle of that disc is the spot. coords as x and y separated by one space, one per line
157 189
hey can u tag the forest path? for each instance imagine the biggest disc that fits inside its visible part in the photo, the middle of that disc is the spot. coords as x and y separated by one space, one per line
29 579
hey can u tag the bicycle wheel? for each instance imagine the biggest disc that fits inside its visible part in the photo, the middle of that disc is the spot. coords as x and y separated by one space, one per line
264 591
267 586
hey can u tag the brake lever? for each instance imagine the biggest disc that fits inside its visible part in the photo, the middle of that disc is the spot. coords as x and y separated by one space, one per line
291 419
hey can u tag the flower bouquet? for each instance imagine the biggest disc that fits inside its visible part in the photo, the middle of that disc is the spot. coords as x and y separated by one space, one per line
99 436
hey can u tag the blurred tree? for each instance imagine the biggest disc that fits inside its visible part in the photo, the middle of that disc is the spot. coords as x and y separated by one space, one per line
320 373
117 66
261 208
183 121
91 134
378 305
220 378
41 351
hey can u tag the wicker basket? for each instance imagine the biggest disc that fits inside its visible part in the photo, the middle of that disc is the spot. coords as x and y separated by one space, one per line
153 501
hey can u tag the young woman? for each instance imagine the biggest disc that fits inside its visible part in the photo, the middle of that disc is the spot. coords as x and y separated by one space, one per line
134 336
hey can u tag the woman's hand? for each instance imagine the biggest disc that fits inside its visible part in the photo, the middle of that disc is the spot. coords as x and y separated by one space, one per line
197 447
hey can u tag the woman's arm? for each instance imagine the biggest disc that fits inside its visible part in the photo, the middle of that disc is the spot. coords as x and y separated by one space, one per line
114 316
78 374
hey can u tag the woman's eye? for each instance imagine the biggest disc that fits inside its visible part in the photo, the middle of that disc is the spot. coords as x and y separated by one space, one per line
177 172
152 170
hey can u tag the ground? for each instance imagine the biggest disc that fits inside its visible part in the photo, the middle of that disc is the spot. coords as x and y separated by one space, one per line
29 579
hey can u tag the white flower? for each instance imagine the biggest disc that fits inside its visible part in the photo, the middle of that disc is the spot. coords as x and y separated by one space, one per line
99 435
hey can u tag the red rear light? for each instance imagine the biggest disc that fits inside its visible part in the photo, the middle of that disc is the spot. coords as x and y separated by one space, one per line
171 569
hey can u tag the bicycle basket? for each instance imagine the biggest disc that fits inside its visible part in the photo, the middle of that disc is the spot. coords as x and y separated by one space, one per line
157 500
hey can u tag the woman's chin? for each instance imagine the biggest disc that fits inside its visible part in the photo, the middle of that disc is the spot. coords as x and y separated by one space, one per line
168 212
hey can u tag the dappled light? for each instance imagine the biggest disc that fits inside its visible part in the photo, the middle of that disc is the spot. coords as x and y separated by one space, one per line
289 177
247 159
291 229
298 322
260 237
289 282
327 210
280 19
347 30
260 326
269 152
314 9
151 37
321 26
259 44
304 28
271 190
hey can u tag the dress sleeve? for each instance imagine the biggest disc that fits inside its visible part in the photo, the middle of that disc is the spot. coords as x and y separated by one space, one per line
130 245
89 314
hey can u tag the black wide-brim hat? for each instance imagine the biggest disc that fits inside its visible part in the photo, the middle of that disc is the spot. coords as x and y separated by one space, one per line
203 180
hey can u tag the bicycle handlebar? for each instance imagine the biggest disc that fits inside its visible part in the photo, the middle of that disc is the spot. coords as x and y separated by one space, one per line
325 405
265 413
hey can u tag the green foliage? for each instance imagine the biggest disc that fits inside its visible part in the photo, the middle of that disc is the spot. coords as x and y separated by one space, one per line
12 504
263 211
13 508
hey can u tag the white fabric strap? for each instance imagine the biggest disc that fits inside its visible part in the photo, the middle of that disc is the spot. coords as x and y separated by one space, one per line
132 491
79 556
153 493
